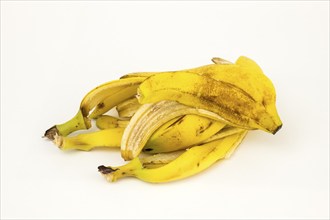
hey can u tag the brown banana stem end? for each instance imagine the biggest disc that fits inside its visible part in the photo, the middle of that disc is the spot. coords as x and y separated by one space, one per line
105 170
51 132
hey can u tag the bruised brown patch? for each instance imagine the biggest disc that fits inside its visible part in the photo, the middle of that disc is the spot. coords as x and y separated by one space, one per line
101 105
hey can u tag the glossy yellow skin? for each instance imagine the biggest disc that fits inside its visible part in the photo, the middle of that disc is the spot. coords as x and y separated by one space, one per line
189 163
104 138
233 104
182 132
151 117
244 74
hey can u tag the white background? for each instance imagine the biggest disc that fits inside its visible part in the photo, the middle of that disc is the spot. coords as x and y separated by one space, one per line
53 52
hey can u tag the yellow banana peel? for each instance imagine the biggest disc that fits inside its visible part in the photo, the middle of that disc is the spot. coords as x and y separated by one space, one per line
174 124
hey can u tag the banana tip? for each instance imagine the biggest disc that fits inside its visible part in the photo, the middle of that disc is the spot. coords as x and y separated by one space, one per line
277 129
105 170
51 132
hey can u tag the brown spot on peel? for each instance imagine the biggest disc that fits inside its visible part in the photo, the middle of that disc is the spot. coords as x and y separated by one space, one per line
100 105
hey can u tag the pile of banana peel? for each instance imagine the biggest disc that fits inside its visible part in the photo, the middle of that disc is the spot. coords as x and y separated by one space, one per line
172 125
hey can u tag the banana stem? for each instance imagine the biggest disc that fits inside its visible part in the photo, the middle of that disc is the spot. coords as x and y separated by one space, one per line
218 60
104 138
78 122
114 173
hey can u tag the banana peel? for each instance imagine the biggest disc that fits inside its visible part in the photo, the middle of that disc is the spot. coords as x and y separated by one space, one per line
184 120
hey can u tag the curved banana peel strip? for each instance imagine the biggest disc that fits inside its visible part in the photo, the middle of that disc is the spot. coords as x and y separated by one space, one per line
218 66
121 90
192 161
113 100
233 104
161 159
149 118
221 69
244 74
101 99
